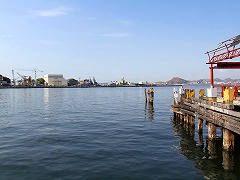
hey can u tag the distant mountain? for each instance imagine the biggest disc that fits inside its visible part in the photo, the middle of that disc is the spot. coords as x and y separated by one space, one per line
216 80
231 80
177 80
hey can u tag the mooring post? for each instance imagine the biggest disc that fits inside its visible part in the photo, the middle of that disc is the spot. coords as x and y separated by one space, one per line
145 92
150 95
200 126
175 95
228 96
211 131
201 93
228 140
150 110
182 93
212 94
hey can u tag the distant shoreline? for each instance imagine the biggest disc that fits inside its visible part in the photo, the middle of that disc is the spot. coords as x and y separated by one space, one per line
28 87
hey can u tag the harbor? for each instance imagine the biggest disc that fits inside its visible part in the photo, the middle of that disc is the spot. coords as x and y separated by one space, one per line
120 90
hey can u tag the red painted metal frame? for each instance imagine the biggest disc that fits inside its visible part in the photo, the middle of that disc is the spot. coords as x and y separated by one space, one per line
224 56
225 51
227 65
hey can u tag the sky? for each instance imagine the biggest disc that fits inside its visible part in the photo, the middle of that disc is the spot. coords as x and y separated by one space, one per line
140 40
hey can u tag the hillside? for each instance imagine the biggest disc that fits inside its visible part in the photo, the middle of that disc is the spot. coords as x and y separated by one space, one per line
177 80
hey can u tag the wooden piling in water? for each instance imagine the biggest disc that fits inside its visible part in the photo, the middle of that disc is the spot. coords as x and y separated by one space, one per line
174 116
145 92
200 126
228 160
225 115
211 131
200 139
211 146
228 140
185 118
181 118
150 95
192 120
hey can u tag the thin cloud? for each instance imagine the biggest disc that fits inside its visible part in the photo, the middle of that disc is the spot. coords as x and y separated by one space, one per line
120 35
5 36
125 22
50 42
59 11
89 18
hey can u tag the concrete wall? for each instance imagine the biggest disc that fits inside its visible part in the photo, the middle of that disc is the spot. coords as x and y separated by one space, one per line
55 80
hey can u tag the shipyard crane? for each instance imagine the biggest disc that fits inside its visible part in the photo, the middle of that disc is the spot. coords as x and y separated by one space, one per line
35 72
24 79
226 50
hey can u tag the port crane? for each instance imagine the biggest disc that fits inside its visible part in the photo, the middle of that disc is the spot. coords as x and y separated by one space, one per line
220 58
24 79
33 70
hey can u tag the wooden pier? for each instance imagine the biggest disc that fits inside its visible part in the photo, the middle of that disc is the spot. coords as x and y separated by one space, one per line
216 114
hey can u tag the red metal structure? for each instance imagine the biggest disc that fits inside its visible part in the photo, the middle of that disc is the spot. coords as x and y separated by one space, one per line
226 50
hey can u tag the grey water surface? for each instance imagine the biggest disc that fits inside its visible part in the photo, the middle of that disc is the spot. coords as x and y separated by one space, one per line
101 133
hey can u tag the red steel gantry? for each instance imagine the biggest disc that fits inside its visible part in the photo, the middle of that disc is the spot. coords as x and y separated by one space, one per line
226 50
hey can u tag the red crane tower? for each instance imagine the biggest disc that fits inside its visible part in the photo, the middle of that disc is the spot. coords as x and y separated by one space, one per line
220 58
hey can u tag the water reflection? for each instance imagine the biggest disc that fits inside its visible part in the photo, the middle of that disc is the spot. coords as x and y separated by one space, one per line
228 160
46 95
208 156
149 110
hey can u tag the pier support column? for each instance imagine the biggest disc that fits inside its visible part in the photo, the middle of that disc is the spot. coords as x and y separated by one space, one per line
200 126
200 140
191 127
185 118
228 140
192 120
181 117
211 148
188 119
174 116
228 160
211 131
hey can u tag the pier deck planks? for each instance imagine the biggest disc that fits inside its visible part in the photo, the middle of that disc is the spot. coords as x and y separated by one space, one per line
220 114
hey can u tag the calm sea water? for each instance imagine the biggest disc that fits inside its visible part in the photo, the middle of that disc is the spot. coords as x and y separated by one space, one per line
102 133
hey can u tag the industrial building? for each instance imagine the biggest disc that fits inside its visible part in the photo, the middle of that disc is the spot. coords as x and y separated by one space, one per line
4 81
55 80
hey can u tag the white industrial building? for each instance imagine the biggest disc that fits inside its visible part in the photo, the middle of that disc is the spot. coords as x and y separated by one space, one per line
55 80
